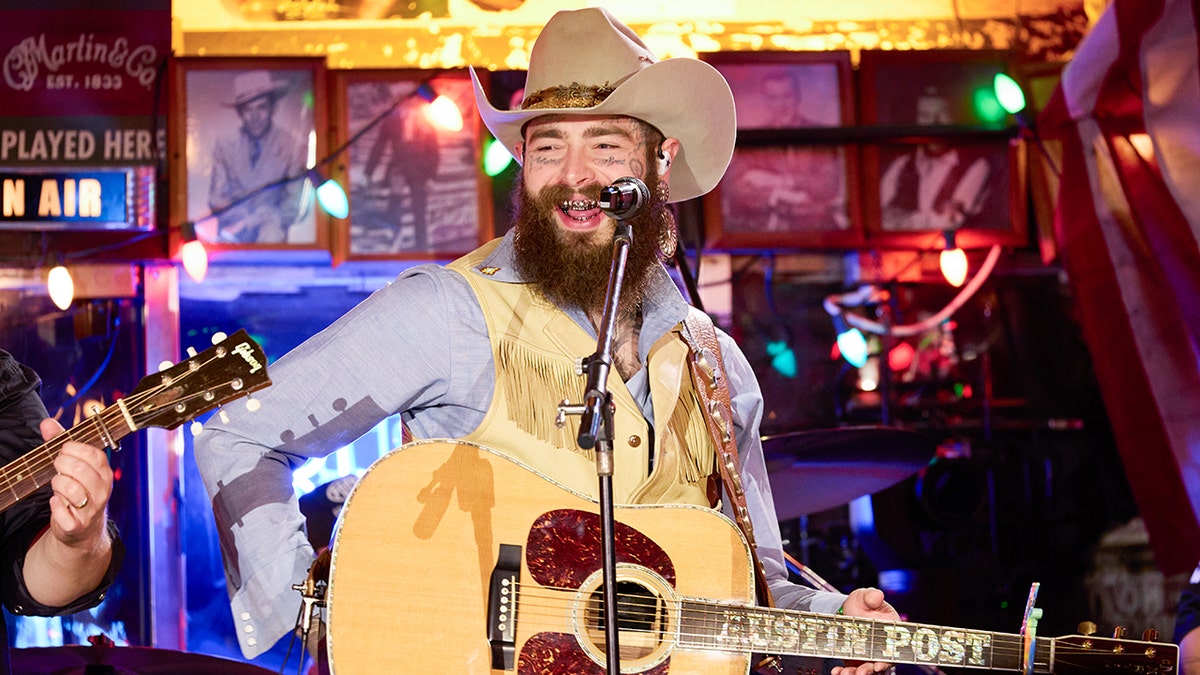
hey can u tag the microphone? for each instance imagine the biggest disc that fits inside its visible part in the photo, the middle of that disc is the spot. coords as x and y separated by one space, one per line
625 198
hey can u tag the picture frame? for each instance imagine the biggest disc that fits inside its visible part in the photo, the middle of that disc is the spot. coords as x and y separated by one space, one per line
946 157
791 181
417 191
243 136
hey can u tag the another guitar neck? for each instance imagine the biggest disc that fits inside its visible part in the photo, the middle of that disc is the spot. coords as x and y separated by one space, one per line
26 474
232 368
707 625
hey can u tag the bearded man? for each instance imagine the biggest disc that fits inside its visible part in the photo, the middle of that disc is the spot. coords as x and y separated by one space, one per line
484 349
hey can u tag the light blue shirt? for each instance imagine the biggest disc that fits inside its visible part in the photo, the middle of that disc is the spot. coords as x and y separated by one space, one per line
418 347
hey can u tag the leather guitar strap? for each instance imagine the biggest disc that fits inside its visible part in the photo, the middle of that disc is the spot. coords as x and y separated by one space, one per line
708 374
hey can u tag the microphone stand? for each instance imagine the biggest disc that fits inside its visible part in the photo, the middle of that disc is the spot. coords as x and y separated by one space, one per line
596 430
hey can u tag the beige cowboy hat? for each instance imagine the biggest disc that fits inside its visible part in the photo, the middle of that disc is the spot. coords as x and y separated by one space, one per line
254 84
586 62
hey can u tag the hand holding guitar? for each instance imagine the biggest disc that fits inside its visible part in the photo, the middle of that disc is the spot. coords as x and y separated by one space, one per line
81 490
867 603
74 554
72 557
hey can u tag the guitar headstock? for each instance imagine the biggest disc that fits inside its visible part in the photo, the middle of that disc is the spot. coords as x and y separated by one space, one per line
224 372
1098 654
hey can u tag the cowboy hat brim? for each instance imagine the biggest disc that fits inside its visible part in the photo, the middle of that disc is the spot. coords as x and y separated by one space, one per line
276 91
683 98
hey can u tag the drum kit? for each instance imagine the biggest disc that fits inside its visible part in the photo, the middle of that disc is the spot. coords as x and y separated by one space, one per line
818 470
813 471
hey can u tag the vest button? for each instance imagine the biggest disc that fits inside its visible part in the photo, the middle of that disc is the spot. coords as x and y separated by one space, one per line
635 441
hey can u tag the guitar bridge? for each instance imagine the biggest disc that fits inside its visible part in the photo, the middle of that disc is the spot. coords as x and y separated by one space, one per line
502 607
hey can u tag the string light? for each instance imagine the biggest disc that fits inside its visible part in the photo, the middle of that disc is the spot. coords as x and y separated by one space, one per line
783 358
496 158
442 112
330 195
1008 93
193 254
850 341
61 286
953 261
901 357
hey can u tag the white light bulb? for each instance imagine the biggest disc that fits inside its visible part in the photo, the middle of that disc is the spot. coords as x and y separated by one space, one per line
61 287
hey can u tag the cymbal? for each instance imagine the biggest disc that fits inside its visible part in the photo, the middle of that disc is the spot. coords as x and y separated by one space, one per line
812 471
82 659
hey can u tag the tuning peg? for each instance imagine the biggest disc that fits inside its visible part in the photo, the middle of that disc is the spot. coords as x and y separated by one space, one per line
223 415
1150 635
1118 632
218 337
165 365
252 404
192 351
1087 628
197 428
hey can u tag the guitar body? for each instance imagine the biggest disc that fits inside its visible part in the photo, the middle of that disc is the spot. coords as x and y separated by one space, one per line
412 587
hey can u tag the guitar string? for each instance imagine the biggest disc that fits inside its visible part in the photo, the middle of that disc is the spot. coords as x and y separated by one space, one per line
1003 645
38 463
708 641
997 653
41 459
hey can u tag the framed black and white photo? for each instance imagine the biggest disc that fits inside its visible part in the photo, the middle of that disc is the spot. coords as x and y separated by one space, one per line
416 187
952 161
788 185
245 134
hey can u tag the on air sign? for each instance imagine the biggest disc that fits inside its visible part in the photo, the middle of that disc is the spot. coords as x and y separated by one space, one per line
92 199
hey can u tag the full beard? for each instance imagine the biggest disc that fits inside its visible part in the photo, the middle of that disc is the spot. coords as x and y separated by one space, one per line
571 269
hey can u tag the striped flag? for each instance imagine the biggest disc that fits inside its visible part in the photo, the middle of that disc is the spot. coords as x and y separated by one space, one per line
1127 224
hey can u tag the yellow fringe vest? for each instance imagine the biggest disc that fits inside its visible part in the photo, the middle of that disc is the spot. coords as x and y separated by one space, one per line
536 347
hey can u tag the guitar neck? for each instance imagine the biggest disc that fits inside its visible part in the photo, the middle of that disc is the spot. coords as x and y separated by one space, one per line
26 474
708 625
232 368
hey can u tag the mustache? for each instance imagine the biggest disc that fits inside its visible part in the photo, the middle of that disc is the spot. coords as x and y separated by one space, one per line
555 196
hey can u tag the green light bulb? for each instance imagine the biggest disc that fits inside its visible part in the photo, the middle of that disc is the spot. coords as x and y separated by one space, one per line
1009 93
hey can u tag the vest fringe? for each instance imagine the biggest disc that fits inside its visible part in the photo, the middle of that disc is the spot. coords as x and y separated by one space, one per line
545 379
697 460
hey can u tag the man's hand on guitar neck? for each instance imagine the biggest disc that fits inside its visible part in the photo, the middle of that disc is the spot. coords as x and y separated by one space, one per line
71 558
867 603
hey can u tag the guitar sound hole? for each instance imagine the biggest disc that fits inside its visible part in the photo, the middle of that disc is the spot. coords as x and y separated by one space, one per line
641 619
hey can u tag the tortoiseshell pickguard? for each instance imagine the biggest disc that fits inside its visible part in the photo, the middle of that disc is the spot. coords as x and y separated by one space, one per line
559 654
564 548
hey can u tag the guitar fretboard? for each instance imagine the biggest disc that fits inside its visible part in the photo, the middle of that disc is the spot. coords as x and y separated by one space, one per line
29 472
707 625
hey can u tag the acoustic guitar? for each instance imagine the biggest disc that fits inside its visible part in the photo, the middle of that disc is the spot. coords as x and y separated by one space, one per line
452 558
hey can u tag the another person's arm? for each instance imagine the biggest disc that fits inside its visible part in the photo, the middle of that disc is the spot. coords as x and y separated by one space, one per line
52 560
